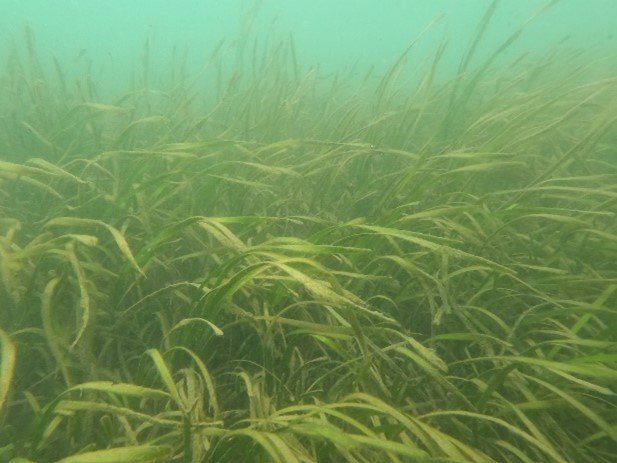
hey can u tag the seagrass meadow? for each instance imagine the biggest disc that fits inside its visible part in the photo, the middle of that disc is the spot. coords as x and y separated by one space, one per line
269 263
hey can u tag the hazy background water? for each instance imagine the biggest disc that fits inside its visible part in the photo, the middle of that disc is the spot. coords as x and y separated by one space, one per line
334 33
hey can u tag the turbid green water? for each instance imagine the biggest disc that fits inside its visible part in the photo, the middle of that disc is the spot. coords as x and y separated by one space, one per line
308 231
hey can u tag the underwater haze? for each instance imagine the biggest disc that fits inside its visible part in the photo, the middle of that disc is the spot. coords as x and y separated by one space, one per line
308 231
333 33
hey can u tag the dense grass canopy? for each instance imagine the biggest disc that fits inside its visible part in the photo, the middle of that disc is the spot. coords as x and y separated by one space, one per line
271 265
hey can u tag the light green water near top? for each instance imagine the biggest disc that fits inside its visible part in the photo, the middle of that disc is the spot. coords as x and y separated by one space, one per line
334 33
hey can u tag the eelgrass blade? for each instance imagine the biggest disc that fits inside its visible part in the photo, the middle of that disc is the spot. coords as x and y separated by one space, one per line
136 454
7 368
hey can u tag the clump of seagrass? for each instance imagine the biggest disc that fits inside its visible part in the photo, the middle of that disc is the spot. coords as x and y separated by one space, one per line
297 273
